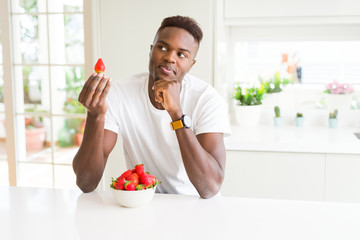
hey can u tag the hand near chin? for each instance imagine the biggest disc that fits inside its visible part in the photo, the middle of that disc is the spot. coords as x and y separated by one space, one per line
167 93
93 95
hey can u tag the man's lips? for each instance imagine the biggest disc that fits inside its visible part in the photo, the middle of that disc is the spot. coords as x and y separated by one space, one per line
167 70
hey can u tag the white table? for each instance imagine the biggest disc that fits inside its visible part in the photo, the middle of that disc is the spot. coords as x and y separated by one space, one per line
33 213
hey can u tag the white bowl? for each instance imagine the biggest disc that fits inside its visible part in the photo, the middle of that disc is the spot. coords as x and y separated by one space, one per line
134 198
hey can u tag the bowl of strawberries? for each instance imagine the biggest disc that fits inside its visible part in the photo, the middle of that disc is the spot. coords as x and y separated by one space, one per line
134 187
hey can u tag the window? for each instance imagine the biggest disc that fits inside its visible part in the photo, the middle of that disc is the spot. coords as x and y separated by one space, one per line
325 52
315 61
48 74
4 169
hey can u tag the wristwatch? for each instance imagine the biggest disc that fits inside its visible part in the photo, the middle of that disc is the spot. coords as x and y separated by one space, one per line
183 122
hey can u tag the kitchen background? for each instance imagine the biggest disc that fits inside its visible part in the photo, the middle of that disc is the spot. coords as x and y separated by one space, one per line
292 52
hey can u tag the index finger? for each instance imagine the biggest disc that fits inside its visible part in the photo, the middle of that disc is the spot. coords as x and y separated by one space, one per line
85 87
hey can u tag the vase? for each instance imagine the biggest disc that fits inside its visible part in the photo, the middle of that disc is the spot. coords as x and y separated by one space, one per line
299 121
35 138
338 101
333 122
278 121
248 116
78 139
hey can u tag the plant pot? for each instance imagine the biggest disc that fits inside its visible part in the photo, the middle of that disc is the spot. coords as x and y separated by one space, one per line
35 138
248 116
338 101
299 121
333 122
78 139
278 121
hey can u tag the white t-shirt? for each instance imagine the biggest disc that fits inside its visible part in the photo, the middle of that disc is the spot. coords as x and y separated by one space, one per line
146 132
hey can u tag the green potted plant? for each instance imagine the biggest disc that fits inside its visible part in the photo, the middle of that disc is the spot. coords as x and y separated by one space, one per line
272 85
299 120
333 121
277 119
248 105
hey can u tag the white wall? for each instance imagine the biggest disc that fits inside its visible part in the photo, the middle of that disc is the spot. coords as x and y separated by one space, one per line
128 28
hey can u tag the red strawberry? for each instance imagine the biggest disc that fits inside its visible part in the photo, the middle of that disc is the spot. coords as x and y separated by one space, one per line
153 179
99 66
139 169
133 178
133 170
147 179
129 186
140 187
120 184
125 174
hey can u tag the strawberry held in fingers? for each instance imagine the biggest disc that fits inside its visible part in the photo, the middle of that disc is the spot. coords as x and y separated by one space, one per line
99 66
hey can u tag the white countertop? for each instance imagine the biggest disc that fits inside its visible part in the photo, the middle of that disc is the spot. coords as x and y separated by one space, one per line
294 139
33 213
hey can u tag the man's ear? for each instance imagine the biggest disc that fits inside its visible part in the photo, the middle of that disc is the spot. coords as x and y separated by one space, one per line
193 63
151 47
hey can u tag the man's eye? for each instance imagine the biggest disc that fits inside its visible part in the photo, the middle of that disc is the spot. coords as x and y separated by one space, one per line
181 55
162 48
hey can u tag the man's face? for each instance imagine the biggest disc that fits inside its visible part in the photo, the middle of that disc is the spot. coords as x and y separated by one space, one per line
172 55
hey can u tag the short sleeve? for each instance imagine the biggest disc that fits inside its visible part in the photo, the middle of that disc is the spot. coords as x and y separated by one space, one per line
211 114
110 116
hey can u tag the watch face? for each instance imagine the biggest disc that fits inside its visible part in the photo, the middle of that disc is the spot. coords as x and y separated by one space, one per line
187 121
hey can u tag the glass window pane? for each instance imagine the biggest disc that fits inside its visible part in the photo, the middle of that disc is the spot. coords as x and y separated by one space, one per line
4 167
68 133
64 177
1 76
35 175
30 39
66 39
67 84
37 139
1 87
1 56
28 6
65 5
308 61
34 82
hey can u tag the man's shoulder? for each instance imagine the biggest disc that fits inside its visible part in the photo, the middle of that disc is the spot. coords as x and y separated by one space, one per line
195 84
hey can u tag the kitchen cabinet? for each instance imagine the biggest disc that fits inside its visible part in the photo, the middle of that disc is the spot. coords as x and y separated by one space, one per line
285 175
342 177
278 175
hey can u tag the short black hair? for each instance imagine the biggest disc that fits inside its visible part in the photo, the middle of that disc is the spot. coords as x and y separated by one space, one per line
186 23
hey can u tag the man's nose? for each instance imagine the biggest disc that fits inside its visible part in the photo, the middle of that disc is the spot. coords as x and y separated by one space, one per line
170 56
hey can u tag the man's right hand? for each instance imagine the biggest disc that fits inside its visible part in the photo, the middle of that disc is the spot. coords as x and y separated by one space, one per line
93 95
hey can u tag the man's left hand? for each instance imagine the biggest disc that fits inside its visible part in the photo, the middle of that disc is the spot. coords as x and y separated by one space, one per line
167 93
